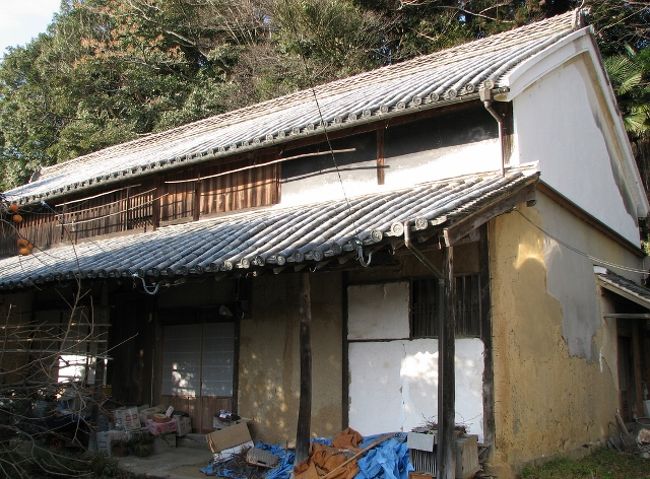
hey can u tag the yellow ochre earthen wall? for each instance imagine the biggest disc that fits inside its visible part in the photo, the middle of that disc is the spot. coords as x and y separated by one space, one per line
269 361
556 385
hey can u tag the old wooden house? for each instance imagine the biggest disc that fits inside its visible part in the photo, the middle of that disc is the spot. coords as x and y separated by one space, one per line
454 203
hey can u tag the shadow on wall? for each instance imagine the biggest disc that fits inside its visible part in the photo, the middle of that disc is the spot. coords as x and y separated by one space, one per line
269 367
547 401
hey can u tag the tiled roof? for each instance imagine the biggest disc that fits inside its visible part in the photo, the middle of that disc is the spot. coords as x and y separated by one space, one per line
624 287
425 82
273 236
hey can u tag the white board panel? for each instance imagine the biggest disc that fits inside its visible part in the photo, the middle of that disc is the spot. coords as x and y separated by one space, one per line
378 311
394 385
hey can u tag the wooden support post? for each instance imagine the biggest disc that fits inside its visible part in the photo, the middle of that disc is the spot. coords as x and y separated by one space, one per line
446 373
196 199
381 174
156 205
304 412
636 364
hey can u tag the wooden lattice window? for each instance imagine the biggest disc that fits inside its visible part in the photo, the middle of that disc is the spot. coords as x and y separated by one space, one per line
425 306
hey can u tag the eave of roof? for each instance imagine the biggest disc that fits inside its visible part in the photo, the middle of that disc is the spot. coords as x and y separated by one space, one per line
624 287
426 82
270 237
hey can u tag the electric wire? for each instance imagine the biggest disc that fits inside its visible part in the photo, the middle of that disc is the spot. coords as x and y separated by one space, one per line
580 252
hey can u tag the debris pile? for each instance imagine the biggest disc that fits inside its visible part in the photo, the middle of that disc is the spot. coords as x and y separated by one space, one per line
636 440
347 456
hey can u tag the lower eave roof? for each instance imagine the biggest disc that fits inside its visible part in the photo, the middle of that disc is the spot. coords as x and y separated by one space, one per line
269 237
625 288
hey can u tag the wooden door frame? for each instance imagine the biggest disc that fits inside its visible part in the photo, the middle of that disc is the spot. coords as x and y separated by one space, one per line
195 316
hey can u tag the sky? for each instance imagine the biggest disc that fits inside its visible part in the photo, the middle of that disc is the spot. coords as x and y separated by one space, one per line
22 20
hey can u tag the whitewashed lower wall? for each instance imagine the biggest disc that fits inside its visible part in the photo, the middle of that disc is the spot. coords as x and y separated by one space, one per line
394 384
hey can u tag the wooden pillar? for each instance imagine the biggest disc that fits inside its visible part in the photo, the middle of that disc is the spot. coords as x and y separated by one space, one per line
304 412
156 204
636 365
381 174
446 373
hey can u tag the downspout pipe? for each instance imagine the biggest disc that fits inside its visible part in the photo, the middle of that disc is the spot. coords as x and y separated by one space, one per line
485 94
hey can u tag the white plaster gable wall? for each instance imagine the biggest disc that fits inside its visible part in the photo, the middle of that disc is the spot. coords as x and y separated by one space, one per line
559 123
394 380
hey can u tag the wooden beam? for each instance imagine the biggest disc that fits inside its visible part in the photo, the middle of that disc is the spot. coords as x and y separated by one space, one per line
381 176
489 420
446 459
636 365
304 412
624 316
454 233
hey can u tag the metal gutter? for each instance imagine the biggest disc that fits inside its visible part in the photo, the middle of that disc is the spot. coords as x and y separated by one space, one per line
486 95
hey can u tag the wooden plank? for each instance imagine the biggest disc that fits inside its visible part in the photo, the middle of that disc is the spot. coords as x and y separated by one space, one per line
303 432
454 233
446 373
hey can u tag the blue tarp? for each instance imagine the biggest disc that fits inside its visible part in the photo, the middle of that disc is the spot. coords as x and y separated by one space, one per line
388 460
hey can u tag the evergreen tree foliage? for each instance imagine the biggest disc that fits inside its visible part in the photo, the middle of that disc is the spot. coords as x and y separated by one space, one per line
107 71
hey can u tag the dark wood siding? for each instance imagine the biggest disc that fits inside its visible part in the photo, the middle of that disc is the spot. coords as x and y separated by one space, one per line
143 207
246 189
127 209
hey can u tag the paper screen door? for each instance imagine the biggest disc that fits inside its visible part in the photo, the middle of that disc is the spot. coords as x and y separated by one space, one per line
198 369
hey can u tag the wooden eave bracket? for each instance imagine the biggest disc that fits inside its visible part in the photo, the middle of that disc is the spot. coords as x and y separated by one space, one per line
455 233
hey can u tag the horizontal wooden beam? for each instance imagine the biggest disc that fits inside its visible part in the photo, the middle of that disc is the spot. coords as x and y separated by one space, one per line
456 232
627 316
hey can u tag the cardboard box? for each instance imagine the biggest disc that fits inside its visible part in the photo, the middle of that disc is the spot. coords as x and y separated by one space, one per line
420 475
227 454
148 412
105 440
421 441
228 437
183 425
127 418
157 428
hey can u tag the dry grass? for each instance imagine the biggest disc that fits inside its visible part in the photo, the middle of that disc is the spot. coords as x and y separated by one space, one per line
602 464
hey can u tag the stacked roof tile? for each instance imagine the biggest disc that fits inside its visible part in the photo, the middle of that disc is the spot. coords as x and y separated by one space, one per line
425 82
274 236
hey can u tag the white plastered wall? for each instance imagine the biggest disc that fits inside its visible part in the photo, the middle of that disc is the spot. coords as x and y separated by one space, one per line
394 380
402 171
561 122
